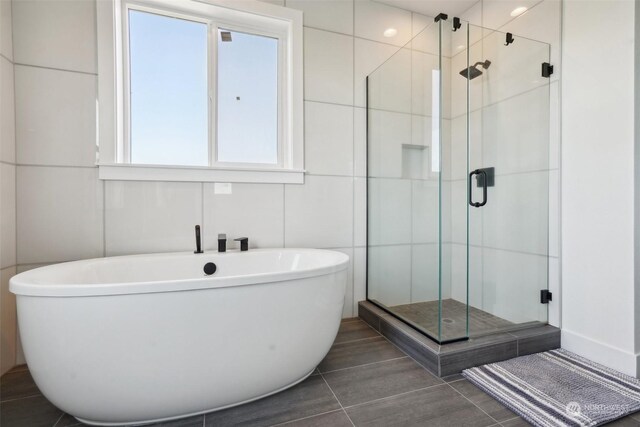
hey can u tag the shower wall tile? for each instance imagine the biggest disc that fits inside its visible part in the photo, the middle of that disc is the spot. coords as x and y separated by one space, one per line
58 34
328 67
516 143
360 211
390 86
7 215
359 277
47 134
496 13
8 321
328 139
424 69
7 109
359 141
369 55
132 222
425 271
348 308
389 211
255 211
60 213
390 264
6 38
319 213
517 218
424 211
425 35
389 132
330 15
372 19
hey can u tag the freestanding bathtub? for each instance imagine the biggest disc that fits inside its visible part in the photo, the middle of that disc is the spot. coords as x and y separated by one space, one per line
145 338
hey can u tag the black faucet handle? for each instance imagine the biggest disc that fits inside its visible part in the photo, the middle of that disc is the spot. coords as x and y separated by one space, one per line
222 242
244 243
198 241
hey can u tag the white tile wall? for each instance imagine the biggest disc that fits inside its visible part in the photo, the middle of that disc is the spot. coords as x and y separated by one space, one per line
328 67
389 211
328 136
8 332
6 42
251 210
143 217
60 213
425 273
55 117
390 265
7 115
55 33
7 215
372 19
348 308
369 55
330 15
319 213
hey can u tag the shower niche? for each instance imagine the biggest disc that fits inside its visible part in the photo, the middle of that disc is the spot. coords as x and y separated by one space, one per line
458 182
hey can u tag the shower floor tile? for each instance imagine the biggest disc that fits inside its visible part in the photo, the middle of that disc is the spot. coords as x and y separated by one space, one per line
381 385
454 314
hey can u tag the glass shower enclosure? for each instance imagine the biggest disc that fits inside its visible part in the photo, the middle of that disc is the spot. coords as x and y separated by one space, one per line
458 182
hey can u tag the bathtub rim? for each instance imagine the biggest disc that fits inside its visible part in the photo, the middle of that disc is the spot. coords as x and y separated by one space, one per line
20 284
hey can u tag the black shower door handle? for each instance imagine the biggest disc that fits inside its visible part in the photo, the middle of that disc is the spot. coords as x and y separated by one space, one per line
484 188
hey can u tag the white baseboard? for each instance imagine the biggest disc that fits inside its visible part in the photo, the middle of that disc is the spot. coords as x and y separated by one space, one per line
605 354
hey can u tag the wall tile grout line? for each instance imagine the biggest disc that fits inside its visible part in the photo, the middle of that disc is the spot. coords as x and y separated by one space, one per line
56 69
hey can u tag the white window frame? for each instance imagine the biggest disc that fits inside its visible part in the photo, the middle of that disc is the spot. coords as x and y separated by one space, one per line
247 16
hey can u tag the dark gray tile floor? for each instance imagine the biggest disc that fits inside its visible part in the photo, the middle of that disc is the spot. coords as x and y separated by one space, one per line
364 381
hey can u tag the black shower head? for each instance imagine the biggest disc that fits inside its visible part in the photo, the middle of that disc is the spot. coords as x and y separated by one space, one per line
472 72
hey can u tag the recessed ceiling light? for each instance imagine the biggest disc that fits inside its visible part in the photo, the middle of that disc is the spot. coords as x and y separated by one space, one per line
461 46
518 11
390 32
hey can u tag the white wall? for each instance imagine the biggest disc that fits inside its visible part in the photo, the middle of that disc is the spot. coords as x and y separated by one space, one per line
598 182
7 193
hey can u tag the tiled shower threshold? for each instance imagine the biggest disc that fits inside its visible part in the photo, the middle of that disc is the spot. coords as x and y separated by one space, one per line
449 359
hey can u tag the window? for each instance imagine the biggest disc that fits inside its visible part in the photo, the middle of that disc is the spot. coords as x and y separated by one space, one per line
200 91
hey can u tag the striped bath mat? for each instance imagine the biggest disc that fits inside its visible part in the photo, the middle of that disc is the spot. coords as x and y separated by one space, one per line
559 388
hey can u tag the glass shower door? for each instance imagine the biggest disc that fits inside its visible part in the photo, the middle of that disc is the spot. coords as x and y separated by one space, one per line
507 181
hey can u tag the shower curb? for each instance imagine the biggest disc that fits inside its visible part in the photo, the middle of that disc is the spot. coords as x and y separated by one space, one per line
449 359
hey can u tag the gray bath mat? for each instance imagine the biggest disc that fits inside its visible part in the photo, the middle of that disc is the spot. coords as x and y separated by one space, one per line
559 388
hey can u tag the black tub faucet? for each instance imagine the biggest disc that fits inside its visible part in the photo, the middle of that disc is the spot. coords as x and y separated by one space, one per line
198 241
244 243
222 243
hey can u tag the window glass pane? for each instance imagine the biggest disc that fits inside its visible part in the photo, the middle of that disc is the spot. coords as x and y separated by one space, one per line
247 98
168 79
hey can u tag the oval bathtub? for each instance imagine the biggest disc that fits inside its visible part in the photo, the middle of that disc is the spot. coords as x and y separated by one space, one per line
145 338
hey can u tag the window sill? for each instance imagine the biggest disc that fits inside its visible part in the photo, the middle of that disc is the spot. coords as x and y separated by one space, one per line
126 172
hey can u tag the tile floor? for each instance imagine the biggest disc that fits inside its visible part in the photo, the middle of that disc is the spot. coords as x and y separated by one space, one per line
364 380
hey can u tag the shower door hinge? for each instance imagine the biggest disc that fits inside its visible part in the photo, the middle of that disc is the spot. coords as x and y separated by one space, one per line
545 296
456 23
440 16
547 69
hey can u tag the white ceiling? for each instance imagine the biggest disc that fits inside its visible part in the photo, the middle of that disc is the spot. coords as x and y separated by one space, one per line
432 7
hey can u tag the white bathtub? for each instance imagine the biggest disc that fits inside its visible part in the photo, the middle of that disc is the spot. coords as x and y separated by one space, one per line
144 338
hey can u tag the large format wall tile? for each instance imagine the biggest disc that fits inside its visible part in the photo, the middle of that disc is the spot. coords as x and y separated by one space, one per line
255 211
60 213
55 117
6 38
328 139
319 213
55 33
369 55
328 67
7 215
144 217
7 112
390 274
389 217
330 15
373 19
8 322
